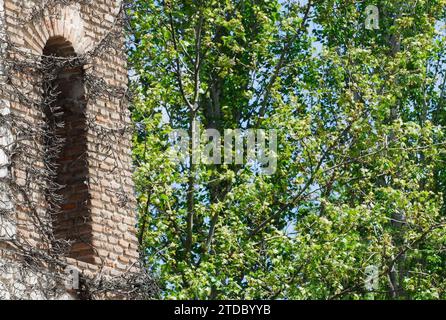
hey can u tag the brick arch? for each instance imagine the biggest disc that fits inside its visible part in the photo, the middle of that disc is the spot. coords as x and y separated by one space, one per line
62 22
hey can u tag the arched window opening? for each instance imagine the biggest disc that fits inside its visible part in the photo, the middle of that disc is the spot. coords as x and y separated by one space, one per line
66 149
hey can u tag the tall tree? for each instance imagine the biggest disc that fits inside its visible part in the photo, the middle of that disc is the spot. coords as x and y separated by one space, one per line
359 184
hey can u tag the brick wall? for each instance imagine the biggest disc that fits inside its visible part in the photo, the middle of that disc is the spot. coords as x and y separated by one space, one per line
98 211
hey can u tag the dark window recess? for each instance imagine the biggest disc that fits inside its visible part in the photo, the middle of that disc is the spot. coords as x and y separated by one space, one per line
66 145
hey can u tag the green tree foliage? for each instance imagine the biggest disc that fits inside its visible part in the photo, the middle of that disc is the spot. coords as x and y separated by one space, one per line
360 116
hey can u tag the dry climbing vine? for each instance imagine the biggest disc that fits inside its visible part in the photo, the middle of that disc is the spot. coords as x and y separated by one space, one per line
36 266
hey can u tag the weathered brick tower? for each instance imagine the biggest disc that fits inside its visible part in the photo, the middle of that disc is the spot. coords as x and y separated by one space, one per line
66 193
